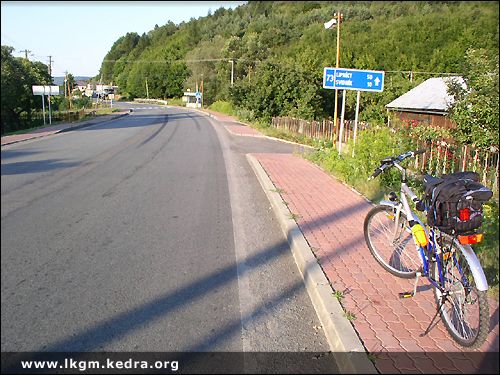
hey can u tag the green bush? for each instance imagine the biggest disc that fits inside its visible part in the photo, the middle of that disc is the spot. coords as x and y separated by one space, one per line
62 103
372 146
223 107
245 114
175 101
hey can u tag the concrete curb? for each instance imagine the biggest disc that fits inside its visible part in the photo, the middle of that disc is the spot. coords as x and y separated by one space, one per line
290 142
340 334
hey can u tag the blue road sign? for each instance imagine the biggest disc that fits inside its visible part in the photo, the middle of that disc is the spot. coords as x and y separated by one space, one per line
353 79
198 94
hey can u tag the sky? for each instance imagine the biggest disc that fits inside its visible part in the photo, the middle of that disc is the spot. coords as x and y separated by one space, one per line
78 34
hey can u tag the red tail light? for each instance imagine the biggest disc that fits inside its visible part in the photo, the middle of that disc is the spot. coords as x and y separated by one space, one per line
464 214
470 240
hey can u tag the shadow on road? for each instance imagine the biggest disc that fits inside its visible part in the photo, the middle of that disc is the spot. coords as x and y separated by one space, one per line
38 166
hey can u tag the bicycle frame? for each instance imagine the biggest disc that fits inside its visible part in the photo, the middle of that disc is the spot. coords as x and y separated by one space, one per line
432 251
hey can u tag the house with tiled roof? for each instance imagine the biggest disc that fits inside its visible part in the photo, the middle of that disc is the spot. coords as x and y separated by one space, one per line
427 103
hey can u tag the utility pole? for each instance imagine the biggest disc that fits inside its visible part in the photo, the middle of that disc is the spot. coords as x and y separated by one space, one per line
337 64
50 66
147 90
26 51
65 82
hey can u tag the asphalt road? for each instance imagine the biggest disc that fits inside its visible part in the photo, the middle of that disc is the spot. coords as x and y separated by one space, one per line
147 233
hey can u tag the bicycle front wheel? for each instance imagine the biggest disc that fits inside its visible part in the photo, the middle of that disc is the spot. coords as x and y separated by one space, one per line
464 309
390 244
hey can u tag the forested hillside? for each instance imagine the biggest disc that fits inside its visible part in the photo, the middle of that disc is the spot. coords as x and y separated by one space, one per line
280 49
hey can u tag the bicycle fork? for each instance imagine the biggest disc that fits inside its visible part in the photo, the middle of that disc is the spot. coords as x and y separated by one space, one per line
423 250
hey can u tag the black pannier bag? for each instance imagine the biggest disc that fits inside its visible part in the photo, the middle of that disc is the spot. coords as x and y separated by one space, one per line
455 202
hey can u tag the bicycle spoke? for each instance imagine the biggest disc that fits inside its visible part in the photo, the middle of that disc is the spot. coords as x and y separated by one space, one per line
464 308
391 245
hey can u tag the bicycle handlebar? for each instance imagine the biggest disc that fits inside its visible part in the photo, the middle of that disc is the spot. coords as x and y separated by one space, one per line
390 161
420 152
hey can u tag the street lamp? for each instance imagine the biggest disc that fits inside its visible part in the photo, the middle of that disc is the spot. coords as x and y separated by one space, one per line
329 25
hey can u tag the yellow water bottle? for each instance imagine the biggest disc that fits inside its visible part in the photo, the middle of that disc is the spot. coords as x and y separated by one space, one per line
419 235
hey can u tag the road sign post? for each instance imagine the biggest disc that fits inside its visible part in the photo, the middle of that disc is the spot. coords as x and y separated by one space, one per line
199 98
43 109
356 121
352 79
341 132
50 109
46 90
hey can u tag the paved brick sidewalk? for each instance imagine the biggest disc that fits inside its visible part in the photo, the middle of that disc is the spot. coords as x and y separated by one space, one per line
331 215
233 126
219 116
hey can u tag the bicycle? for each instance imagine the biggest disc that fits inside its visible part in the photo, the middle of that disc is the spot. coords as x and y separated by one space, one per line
408 248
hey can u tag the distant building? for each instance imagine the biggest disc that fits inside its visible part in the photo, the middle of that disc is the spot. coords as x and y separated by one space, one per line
104 90
81 85
426 103
192 99
89 90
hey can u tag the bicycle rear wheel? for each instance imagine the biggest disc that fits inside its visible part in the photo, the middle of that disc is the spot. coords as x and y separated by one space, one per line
392 246
463 308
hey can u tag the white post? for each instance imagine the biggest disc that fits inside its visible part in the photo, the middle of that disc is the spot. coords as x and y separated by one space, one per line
341 132
50 112
43 106
356 121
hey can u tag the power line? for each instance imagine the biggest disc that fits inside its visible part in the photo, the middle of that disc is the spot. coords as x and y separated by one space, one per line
254 61
180 60
414 72
9 38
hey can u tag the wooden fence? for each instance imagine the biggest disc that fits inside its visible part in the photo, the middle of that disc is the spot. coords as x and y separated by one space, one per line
445 157
441 157
323 129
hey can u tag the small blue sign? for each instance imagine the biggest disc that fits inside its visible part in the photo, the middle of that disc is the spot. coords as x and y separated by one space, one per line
329 78
353 79
198 94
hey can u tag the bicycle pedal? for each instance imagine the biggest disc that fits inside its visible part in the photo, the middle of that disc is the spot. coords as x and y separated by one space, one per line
406 295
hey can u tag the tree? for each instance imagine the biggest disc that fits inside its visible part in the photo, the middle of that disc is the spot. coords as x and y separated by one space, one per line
18 75
70 82
121 48
475 108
